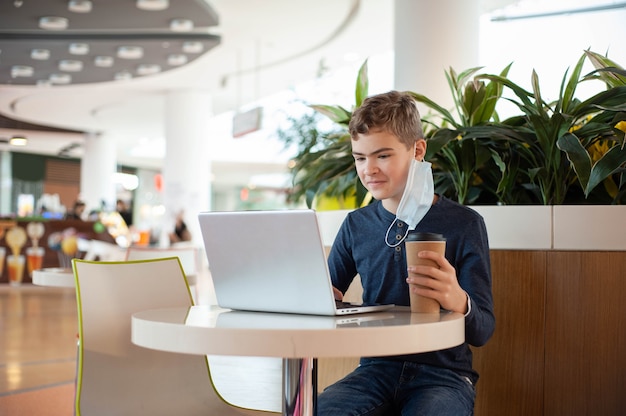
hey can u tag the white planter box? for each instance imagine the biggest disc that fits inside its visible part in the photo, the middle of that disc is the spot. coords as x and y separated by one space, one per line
329 223
517 227
589 227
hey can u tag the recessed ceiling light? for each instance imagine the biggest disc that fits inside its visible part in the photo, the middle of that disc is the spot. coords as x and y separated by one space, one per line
148 69
79 6
79 48
40 54
153 4
43 83
177 59
60 78
70 65
130 52
53 23
22 71
103 61
193 47
123 76
181 25
18 141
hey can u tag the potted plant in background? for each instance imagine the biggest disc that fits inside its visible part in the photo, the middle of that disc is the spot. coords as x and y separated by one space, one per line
554 153
563 152
555 140
324 166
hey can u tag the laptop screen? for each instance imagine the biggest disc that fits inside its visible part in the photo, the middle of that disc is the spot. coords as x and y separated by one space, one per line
270 261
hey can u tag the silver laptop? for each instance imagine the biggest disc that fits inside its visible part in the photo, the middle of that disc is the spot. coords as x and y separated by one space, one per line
271 261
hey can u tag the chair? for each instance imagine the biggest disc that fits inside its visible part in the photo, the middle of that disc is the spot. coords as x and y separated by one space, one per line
188 256
116 377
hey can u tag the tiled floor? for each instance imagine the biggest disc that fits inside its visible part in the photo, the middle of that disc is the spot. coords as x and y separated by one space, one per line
38 341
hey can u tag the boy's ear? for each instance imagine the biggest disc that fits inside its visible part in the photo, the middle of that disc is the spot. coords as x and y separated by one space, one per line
420 149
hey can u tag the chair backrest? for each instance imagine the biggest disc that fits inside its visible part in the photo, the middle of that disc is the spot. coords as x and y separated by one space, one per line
116 377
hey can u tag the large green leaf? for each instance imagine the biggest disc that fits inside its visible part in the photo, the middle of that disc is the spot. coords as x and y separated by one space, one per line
456 83
337 114
502 166
609 163
446 115
438 140
534 81
520 92
474 97
487 110
578 157
362 85
567 95
608 71
613 99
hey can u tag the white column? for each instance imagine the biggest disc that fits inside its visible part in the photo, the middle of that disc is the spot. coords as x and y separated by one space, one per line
6 182
187 167
97 168
430 37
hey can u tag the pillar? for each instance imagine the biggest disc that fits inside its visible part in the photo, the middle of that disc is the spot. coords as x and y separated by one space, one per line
6 183
187 167
97 169
429 38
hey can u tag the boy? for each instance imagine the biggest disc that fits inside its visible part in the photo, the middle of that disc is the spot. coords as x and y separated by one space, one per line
388 147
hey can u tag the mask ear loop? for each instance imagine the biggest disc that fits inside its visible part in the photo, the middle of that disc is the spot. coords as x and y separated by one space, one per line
396 219
401 240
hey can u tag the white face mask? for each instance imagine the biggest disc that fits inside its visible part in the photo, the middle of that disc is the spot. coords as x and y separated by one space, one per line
416 199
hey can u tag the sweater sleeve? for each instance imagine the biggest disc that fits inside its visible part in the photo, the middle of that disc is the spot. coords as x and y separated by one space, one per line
474 274
341 265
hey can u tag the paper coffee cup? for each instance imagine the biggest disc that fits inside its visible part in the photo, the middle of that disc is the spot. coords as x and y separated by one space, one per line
414 243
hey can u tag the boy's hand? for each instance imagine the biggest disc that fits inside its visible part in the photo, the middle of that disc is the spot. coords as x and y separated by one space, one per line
337 293
440 283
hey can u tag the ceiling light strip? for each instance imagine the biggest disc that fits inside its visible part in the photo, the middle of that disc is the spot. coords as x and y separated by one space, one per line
505 18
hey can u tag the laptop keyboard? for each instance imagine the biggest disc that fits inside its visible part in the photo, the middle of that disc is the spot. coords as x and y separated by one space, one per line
343 305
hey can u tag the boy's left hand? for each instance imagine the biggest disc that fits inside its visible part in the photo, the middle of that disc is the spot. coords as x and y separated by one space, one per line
440 283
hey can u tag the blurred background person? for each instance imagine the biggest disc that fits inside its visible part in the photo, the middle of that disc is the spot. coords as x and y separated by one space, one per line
77 211
181 232
124 212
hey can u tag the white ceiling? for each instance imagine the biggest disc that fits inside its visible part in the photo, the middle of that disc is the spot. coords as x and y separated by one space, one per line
266 46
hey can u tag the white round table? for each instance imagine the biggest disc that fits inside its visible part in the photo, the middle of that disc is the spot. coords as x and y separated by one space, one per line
54 276
298 339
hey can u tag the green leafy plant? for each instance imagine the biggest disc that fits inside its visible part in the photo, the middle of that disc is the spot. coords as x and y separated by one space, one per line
611 73
552 137
455 155
554 152
598 155
324 165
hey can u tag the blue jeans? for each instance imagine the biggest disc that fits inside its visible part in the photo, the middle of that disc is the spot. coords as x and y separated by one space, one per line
387 387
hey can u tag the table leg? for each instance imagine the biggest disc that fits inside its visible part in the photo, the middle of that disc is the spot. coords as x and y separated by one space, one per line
299 386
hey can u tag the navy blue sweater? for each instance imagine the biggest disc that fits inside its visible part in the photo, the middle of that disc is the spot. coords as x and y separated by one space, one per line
360 248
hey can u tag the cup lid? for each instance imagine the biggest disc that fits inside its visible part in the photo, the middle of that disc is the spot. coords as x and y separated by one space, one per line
422 236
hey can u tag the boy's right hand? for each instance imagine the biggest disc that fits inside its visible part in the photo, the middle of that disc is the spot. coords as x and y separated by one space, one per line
337 293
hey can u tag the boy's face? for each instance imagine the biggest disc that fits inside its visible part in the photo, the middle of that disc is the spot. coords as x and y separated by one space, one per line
382 163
